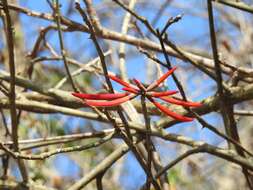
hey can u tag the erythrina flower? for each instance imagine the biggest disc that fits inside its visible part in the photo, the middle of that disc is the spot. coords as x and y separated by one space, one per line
132 91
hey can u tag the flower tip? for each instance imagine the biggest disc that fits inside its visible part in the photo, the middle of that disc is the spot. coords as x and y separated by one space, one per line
194 104
198 104
110 75
76 94
136 81
188 119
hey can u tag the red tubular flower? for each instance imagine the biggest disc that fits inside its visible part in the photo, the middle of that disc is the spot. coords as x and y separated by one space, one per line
99 96
110 100
170 113
132 90
140 86
161 79
180 102
123 83
112 103
160 94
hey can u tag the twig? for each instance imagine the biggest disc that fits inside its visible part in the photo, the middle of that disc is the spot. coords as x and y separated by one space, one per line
243 112
63 51
179 85
14 185
99 181
65 138
215 50
122 54
7 131
102 166
99 50
12 96
171 21
93 16
142 19
160 12
153 58
217 132
225 154
149 144
238 5
178 159
80 70
45 155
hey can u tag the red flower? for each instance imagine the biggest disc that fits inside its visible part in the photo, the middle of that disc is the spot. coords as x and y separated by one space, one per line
131 91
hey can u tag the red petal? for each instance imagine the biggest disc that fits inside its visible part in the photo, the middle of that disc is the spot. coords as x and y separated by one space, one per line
170 113
99 96
181 102
132 90
118 80
112 103
138 83
161 79
166 93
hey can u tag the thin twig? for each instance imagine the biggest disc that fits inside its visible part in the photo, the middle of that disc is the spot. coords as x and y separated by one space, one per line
102 166
63 51
122 53
217 132
149 144
171 21
64 138
178 159
12 96
45 155
243 112
238 5
142 19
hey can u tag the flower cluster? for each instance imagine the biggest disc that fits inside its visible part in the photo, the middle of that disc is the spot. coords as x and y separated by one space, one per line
132 91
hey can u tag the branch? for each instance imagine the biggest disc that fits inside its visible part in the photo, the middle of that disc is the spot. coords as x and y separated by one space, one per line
45 155
12 97
225 105
63 51
102 166
145 44
122 54
14 185
62 138
178 159
238 5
